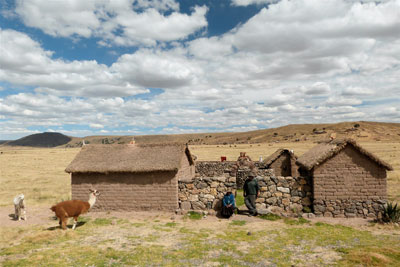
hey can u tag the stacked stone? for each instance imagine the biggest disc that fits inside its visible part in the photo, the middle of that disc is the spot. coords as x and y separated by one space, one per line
349 208
285 195
205 193
214 168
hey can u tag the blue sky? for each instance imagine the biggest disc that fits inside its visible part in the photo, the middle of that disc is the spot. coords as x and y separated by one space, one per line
161 67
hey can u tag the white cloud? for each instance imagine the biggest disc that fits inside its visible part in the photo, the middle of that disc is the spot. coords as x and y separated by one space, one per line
252 2
96 125
318 88
342 101
355 90
156 69
293 62
60 18
150 26
162 5
24 62
139 22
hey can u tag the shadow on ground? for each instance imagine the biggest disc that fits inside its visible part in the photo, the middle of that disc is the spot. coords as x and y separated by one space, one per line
52 228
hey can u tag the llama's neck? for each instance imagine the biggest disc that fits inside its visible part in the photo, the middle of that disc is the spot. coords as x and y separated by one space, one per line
92 200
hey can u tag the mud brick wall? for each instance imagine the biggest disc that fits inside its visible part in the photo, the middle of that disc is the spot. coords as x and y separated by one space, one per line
282 165
186 171
128 191
349 185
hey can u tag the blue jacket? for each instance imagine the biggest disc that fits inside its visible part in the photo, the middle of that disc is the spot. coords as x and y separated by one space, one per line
229 200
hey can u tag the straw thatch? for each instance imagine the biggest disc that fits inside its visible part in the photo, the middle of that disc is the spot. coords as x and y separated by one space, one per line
129 158
322 152
268 161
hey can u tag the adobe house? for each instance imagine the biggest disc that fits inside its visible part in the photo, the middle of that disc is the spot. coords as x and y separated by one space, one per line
131 177
283 162
348 181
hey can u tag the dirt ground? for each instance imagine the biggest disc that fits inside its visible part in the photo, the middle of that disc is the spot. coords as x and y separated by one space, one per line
42 215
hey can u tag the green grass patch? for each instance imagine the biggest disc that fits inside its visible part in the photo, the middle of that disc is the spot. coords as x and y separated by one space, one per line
270 217
299 221
238 223
171 224
102 221
151 237
239 198
137 225
241 235
370 256
194 215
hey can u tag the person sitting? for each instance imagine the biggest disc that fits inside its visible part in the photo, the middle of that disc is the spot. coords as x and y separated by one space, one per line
228 205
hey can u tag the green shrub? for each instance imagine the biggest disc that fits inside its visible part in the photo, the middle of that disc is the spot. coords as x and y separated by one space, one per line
391 213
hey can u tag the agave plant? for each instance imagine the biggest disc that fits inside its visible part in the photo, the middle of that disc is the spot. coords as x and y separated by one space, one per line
391 213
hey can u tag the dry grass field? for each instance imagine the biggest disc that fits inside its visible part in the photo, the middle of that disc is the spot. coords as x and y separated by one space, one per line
157 239
39 172
36 172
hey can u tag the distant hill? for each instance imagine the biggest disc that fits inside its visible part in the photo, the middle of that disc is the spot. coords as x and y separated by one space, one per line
360 131
41 140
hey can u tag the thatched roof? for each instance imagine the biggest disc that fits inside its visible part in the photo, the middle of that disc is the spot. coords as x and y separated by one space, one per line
129 158
322 152
268 161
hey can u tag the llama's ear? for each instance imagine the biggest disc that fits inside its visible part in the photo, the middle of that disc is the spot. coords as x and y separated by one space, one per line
91 190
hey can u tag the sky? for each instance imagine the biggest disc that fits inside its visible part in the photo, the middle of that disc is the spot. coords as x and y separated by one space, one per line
136 67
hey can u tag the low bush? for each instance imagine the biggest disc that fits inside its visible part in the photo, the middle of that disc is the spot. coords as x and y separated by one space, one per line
391 213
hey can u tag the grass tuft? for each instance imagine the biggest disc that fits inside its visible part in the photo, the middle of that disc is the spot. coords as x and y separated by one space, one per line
270 217
102 221
238 223
299 221
194 215
239 198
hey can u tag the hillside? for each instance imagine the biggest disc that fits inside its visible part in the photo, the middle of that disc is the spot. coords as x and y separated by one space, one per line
361 131
41 140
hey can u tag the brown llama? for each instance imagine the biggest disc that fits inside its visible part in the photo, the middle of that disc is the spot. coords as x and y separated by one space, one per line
73 208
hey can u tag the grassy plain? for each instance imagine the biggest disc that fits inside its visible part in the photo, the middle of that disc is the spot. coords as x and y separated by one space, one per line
39 172
163 241
105 240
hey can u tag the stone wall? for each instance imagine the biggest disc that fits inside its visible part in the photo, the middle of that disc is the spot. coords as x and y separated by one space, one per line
349 185
285 195
349 208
